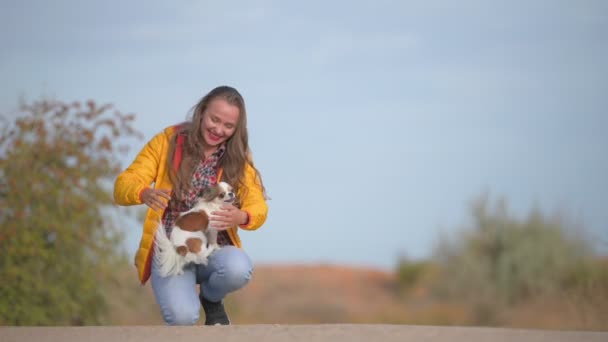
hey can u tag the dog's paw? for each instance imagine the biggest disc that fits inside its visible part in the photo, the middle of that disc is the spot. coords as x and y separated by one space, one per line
204 261
200 258
190 257
213 248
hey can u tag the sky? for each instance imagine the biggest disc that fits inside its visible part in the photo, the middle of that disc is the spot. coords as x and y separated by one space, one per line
374 123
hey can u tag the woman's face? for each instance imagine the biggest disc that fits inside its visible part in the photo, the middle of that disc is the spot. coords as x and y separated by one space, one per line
219 122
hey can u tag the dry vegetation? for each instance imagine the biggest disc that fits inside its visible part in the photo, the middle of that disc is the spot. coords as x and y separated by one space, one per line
301 294
537 272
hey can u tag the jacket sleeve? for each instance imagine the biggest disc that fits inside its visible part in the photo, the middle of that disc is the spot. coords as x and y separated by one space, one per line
253 201
140 174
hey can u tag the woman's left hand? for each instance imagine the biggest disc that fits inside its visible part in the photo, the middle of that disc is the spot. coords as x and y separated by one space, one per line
228 216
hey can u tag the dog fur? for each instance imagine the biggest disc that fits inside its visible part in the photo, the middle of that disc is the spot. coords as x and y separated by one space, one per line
191 238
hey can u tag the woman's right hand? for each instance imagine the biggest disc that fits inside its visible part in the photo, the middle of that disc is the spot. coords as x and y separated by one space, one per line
156 199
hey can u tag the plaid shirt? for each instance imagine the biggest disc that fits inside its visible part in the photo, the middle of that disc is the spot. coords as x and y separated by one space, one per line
203 177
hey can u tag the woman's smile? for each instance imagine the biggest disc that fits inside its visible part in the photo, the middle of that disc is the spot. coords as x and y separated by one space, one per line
214 137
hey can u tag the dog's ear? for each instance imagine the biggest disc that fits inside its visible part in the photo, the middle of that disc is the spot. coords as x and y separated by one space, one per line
192 222
210 193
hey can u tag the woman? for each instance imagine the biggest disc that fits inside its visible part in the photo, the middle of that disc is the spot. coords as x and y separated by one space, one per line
182 162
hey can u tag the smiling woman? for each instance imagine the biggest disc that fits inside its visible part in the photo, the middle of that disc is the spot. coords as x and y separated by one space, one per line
219 122
183 162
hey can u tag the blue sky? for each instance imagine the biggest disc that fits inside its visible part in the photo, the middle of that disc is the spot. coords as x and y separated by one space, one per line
374 123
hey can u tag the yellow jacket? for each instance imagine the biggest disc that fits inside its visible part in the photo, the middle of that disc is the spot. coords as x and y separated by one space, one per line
149 167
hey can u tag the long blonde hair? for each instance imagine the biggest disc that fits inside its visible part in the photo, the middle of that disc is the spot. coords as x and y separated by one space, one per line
235 158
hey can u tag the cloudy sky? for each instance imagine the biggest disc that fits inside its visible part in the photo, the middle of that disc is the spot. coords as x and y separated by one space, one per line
374 123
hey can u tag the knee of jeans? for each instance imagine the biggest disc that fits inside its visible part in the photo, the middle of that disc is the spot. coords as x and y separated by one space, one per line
181 314
238 272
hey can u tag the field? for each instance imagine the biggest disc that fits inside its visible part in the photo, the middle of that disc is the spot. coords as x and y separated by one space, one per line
311 294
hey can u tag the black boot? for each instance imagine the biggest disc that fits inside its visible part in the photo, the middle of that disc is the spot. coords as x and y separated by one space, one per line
214 312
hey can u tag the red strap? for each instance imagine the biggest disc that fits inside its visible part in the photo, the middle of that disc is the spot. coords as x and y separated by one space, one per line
178 152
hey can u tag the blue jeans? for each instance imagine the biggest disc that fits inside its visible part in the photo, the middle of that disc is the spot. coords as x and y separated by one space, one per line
228 270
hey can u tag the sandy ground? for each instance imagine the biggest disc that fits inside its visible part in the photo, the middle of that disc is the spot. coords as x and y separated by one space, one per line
276 333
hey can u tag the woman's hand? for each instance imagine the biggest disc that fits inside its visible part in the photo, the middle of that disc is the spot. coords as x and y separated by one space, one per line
156 199
228 216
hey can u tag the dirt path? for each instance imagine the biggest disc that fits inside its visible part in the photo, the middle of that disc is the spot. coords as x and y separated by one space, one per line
280 333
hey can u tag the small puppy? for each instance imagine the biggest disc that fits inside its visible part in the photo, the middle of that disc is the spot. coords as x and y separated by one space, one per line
191 233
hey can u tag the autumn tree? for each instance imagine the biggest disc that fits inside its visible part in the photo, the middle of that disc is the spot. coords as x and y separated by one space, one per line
57 245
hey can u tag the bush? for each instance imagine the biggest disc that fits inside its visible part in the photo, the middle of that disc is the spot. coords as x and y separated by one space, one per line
57 244
500 260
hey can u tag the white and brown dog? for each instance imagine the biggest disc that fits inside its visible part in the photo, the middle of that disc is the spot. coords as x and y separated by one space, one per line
191 238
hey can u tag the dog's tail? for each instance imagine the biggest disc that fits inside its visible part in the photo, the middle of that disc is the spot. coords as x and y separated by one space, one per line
165 256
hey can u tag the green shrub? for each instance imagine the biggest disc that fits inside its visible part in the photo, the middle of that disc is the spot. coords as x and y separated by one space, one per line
58 246
501 260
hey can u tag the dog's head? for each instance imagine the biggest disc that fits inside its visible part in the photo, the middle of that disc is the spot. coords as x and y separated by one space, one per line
221 193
